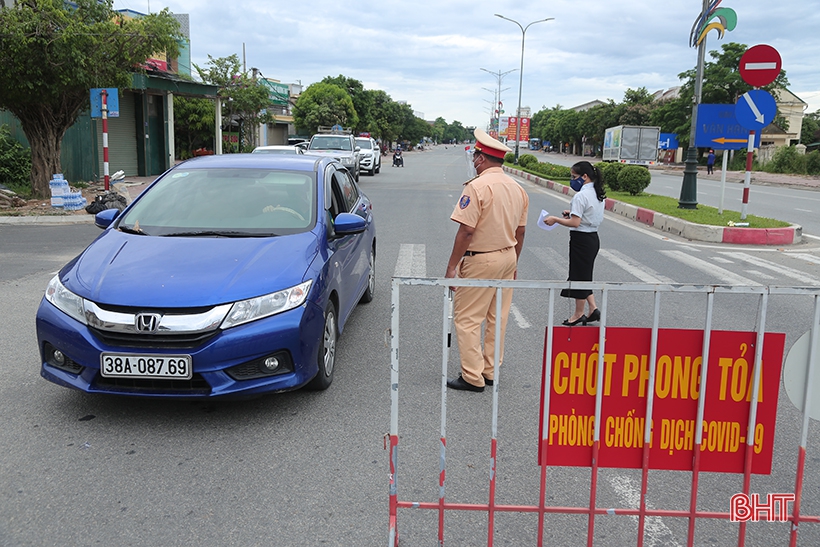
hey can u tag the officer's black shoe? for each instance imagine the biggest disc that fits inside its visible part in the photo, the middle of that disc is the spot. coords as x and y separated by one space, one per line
460 383
487 381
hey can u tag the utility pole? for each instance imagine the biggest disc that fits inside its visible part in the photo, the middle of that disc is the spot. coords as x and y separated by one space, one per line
499 77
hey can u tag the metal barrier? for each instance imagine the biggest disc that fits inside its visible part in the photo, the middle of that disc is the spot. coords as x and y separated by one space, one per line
739 512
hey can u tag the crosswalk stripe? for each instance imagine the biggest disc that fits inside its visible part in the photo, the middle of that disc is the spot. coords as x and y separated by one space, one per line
810 258
779 268
644 273
412 260
552 259
705 266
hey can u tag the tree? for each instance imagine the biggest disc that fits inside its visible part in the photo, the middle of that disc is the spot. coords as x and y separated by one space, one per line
53 52
362 100
247 100
811 129
193 125
324 104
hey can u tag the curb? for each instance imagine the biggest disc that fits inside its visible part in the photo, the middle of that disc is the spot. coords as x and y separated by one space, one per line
790 235
47 219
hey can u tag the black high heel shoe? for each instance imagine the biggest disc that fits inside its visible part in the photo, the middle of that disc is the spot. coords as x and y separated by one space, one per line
583 320
594 316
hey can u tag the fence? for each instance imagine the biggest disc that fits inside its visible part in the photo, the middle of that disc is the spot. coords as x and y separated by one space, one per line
702 444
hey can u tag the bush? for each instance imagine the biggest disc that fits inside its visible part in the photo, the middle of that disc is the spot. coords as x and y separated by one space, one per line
509 157
634 179
738 162
813 163
15 164
787 160
609 174
550 170
527 161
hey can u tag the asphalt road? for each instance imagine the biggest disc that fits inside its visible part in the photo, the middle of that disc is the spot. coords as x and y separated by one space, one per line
309 468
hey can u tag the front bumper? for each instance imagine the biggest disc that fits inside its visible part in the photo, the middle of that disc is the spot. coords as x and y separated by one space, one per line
296 333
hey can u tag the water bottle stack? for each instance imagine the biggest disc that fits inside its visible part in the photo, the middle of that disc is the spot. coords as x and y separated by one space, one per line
62 197
59 190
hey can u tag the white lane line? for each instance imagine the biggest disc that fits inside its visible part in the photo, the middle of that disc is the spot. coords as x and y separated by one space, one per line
760 274
707 267
412 261
803 210
655 531
810 258
779 268
644 273
519 318
722 260
553 260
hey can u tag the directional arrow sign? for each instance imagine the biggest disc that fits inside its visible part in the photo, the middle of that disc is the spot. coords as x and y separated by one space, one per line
719 129
760 65
755 109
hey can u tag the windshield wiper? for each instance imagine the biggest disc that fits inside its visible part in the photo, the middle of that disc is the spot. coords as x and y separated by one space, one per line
216 233
128 230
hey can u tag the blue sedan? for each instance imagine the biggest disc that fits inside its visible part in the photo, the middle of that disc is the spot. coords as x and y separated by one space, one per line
229 275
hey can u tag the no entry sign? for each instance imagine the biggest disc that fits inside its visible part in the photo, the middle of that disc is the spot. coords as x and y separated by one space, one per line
760 65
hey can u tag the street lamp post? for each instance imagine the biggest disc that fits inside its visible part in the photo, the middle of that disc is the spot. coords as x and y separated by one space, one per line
499 76
521 76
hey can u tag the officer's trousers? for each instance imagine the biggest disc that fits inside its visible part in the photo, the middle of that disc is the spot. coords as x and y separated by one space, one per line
473 306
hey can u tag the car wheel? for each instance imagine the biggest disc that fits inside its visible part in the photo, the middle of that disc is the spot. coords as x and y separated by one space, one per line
379 167
371 278
327 351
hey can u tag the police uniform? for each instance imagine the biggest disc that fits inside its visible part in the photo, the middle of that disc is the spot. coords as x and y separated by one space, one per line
495 206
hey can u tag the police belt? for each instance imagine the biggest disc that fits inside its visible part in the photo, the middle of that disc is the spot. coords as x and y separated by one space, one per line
473 253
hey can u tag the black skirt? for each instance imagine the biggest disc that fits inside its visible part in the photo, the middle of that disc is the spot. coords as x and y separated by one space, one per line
583 248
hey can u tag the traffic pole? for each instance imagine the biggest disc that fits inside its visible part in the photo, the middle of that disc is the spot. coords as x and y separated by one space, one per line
105 137
747 181
723 179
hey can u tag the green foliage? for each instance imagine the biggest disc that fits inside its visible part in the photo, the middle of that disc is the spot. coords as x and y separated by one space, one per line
15 164
738 161
609 173
509 157
634 179
787 160
527 160
813 163
193 125
324 104
552 171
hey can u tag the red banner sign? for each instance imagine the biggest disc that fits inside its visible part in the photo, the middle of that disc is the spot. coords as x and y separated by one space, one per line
573 374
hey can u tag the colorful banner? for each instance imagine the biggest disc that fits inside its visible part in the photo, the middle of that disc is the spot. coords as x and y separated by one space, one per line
573 386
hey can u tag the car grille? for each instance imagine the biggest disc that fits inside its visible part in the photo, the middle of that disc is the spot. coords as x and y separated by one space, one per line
195 386
160 341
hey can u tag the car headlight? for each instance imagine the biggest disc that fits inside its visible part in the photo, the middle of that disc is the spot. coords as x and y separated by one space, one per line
347 160
252 309
65 300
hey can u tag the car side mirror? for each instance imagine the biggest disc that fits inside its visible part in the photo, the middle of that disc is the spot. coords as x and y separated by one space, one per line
358 149
348 223
103 219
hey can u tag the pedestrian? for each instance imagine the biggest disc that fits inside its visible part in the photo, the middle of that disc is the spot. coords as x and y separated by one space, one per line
710 162
585 214
492 217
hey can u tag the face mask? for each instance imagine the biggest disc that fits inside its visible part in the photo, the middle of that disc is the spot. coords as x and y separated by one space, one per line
577 184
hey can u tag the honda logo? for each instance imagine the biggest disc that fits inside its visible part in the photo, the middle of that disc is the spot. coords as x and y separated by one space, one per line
147 322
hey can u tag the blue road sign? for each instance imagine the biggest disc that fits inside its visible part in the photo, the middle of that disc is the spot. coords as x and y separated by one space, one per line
668 141
112 102
719 129
755 109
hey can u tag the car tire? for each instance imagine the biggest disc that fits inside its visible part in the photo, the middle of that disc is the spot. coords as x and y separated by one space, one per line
378 167
326 357
371 279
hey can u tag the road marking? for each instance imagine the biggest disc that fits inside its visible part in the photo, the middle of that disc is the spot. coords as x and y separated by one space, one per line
412 261
803 210
645 274
655 531
760 274
552 259
779 268
722 260
811 259
708 267
519 317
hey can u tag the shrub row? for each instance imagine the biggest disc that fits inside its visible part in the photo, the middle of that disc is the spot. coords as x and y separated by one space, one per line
15 163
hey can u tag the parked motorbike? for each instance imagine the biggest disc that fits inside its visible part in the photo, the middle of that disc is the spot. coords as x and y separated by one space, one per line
398 160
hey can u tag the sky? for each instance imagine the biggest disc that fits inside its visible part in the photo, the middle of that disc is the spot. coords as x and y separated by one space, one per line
430 54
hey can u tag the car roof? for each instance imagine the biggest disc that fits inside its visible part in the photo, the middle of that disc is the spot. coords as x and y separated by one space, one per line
291 162
276 147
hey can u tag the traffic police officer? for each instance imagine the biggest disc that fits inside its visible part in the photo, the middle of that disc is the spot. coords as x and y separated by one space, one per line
492 217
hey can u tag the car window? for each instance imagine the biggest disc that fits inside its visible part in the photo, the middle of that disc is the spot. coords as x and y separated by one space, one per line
229 201
348 188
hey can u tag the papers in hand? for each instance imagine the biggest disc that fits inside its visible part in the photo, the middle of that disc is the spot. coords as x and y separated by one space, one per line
542 224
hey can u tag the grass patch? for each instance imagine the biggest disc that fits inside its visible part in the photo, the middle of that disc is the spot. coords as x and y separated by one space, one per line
704 214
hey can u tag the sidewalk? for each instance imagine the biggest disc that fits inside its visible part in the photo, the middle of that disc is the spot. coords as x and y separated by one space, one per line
804 182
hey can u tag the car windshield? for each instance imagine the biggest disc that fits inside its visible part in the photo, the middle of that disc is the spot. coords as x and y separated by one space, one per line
225 203
330 142
363 143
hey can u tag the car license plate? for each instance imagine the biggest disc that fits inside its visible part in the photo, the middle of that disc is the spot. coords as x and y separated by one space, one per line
141 365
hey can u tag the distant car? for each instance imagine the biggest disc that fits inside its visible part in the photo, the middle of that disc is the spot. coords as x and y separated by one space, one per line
230 275
278 149
341 146
370 157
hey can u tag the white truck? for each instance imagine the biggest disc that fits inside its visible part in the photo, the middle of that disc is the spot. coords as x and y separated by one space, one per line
633 144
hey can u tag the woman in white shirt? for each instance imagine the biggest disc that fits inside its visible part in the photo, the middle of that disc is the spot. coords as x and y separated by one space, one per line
585 214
